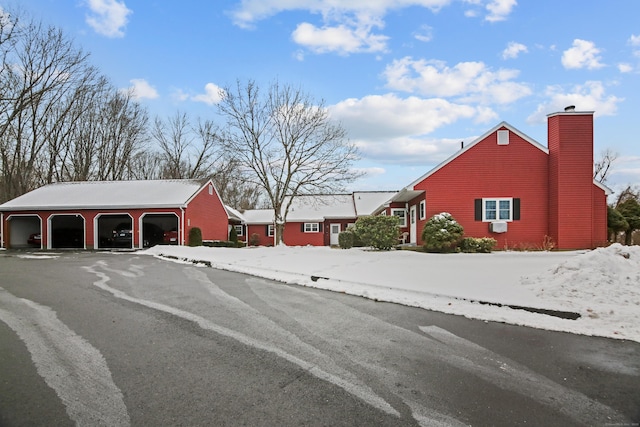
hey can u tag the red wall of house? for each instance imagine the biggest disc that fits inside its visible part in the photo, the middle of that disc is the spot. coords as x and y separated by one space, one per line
207 212
261 231
489 170
600 237
571 204
294 236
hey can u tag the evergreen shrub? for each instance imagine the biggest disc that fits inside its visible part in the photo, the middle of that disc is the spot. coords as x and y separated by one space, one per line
442 233
345 239
483 245
195 236
380 232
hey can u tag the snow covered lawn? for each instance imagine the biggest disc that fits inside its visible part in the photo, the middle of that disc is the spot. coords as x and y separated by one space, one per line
602 286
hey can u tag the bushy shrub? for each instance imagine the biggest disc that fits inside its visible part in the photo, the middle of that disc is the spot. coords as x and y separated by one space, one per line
482 245
379 232
442 233
233 235
345 239
195 237
254 239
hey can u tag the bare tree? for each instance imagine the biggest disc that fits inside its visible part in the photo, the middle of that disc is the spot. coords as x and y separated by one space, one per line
188 151
286 144
40 69
602 166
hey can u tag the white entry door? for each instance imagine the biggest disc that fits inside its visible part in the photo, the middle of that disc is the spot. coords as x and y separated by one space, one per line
413 229
335 231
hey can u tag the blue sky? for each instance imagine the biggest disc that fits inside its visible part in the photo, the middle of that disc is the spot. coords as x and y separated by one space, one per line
408 79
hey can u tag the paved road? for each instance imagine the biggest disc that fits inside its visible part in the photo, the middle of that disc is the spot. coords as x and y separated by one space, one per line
122 339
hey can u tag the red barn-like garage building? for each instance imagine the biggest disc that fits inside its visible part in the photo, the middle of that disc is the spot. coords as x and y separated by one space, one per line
507 186
113 214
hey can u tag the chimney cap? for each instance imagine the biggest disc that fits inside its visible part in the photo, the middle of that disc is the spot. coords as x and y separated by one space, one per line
570 108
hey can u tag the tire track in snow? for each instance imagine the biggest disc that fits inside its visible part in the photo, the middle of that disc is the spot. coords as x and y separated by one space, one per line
324 371
72 367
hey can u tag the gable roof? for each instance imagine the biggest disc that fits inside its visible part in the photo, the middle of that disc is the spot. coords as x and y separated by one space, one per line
475 142
107 195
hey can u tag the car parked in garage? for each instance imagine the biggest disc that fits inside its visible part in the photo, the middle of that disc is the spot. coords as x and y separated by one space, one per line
122 235
35 239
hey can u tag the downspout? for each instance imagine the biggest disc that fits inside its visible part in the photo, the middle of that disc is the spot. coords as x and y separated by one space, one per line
182 227
2 227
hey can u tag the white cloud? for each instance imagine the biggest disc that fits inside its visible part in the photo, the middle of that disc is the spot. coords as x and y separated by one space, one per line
635 42
108 17
590 96
472 81
425 34
141 89
395 130
625 68
499 10
210 96
583 54
514 49
340 39
347 26
251 11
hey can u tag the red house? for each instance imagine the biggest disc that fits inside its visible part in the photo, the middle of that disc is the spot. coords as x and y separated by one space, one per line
314 220
113 214
507 186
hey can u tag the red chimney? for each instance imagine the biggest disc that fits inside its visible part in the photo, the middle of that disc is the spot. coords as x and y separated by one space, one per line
570 136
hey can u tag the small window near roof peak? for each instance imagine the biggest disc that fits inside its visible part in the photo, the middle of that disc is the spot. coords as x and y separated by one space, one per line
503 137
211 189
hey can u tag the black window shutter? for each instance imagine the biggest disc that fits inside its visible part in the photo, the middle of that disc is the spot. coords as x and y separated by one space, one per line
266 230
478 209
516 209
302 227
320 227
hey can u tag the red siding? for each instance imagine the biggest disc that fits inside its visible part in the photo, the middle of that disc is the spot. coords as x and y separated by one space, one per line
488 170
294 236
571 220
599 217
207 212
261 231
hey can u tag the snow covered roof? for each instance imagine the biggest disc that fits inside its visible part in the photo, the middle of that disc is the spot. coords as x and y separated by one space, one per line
258 216
107 195
366 202
318 207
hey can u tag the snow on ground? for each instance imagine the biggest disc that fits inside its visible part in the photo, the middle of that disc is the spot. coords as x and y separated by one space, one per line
602 286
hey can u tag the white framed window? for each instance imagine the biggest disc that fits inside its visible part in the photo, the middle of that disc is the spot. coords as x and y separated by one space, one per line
497 209
423 209
270 230
311 227
239 230
402 214
211 189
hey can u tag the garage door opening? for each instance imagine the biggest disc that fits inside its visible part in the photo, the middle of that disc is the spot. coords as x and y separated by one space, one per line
25 231
115 231
159 229
67 231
